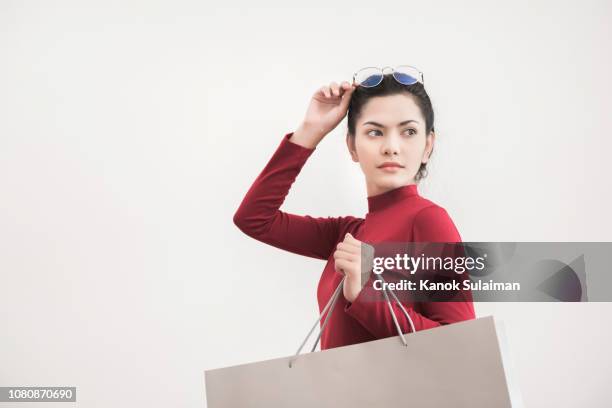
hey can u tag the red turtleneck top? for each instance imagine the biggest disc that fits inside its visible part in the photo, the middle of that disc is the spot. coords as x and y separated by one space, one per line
398 215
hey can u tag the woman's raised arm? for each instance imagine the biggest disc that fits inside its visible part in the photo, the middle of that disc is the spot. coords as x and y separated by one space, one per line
259 214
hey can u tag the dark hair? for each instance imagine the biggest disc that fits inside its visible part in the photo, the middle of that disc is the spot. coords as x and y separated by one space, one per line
389 86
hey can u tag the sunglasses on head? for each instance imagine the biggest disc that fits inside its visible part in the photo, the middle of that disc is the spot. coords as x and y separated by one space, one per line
370 77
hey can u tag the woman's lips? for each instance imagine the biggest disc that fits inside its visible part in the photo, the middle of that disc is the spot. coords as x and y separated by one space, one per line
390 167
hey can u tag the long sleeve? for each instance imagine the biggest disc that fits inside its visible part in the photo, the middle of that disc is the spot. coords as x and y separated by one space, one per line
260 217
431 224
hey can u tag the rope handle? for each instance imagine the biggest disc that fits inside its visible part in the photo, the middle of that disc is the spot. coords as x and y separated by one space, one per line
332 302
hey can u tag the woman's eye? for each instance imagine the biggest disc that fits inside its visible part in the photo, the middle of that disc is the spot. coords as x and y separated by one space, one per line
374 132
410 132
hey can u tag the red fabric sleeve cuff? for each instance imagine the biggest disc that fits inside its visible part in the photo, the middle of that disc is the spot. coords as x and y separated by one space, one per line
357 307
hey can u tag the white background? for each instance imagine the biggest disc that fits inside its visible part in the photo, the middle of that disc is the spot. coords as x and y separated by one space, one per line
131 130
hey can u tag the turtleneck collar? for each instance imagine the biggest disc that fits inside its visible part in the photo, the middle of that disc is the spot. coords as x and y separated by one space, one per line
381 201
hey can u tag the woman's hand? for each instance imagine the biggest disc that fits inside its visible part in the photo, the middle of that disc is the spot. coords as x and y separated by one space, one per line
327 108
348 262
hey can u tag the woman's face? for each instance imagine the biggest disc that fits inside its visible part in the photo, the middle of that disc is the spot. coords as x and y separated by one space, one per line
390 129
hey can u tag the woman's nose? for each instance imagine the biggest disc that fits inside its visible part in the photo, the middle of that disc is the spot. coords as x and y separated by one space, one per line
390 145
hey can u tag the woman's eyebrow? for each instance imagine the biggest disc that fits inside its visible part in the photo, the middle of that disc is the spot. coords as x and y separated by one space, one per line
399 124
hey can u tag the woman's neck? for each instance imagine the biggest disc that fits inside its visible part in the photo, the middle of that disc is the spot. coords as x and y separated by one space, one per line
374 190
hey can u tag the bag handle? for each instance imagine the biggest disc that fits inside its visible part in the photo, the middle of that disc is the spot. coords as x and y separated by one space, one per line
393 312
332 302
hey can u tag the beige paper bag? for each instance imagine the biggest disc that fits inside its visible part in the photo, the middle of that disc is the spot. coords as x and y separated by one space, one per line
456 365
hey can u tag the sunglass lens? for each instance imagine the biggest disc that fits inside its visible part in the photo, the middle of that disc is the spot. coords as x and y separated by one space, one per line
404 78
372 80
369 77
407 75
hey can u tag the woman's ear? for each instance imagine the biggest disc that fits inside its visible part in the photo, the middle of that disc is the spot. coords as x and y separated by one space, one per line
350 143
429 145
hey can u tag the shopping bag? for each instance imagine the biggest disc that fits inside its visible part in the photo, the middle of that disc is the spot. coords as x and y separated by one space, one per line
456 365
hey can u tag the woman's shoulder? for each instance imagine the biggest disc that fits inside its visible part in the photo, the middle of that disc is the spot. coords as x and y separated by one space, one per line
433 222
425 207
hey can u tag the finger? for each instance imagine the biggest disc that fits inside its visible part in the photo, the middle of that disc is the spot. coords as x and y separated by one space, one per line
346 96
325 91
335 88
348 247
346 85
349 256
344 88
349 239
342 266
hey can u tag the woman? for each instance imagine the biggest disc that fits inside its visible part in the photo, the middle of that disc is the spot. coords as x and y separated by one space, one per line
391 136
